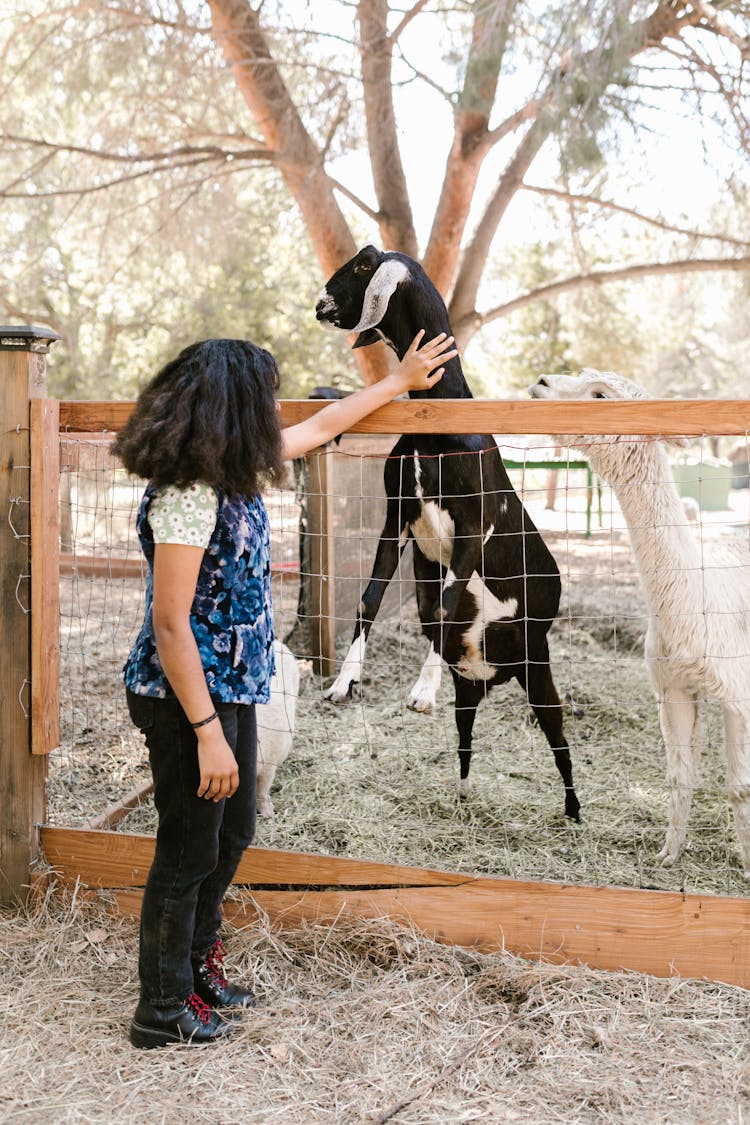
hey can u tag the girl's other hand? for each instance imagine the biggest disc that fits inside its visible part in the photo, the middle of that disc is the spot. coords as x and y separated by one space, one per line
417 369
218 765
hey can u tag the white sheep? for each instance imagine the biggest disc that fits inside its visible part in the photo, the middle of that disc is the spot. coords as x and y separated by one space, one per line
698 637
276 725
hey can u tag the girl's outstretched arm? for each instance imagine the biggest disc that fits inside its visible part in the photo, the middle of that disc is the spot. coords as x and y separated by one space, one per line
416 372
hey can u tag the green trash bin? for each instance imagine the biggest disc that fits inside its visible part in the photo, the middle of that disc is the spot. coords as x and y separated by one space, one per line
707 481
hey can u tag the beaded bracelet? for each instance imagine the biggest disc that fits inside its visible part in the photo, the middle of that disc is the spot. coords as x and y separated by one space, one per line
204 722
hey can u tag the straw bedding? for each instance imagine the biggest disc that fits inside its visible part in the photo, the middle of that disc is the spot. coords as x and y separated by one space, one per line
364 1022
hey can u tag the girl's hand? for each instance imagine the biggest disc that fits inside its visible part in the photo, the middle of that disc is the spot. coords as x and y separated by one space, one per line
218 765
417 369
413 374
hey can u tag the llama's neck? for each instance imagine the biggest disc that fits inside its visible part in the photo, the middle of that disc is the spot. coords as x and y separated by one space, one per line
663 544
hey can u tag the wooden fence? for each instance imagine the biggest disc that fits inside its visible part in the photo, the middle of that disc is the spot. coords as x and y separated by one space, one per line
652 931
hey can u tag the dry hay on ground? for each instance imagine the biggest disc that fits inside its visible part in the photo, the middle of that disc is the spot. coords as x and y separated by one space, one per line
373 780
364 1022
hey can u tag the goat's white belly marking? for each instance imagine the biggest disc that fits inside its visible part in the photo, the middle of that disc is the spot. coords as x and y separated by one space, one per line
472 665
434 532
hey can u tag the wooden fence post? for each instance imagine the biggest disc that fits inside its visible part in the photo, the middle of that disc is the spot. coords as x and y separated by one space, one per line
22 377
322 587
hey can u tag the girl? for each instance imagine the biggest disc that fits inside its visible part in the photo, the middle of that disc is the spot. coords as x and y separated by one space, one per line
205 434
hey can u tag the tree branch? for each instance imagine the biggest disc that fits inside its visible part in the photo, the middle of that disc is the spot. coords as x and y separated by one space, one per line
406 20
355 199
471 140
376 52
608 205
667 20
598 277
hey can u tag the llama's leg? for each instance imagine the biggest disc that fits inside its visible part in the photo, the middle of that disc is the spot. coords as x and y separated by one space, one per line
390 548
264 783
680 728
737 726
545 703
468 697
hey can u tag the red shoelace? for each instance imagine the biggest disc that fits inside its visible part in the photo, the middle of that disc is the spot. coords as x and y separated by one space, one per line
215 962
201 1009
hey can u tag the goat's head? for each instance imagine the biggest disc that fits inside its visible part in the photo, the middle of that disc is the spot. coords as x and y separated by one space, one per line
382 295
356 297
592 384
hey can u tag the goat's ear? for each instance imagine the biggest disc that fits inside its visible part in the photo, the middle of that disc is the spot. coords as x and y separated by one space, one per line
382 286
366 338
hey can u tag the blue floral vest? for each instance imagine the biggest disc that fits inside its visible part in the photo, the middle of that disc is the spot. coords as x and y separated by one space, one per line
231 615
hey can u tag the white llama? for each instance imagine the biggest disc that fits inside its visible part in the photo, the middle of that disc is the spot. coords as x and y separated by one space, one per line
698 636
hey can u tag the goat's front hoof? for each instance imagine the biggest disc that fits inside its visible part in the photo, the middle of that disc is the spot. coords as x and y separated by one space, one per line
422 704
464 788
266 811
339 693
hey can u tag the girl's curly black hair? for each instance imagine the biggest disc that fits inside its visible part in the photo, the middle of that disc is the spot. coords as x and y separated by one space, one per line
209 415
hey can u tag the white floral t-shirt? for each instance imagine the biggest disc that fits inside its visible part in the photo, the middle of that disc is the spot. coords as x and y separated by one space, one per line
184 515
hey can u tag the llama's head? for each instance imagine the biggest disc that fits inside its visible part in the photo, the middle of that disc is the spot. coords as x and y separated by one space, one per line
592 384
589 384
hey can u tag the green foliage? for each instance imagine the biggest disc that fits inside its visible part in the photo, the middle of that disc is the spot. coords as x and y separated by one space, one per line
162 221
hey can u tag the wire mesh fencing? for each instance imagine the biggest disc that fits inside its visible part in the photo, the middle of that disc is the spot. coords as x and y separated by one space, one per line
374 778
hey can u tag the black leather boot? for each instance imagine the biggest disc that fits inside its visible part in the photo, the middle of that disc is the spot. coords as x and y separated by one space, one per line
192 1022
213 987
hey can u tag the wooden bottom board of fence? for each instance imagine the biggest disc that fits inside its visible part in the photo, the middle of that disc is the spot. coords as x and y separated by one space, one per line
657 932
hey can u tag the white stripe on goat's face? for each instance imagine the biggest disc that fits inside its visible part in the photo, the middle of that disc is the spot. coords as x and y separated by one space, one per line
379 292
472 664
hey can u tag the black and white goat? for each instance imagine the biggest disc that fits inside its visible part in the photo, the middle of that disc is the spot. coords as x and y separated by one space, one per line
488 588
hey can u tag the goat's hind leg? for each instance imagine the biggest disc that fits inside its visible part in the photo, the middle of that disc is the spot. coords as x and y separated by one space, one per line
545 703
737 728
469 694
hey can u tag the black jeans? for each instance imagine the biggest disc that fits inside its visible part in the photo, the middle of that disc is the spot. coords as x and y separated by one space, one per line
199 843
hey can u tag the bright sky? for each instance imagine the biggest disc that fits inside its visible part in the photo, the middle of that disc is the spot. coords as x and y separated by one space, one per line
666 172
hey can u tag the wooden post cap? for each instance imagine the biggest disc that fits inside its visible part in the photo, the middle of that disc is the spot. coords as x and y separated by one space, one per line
26 338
